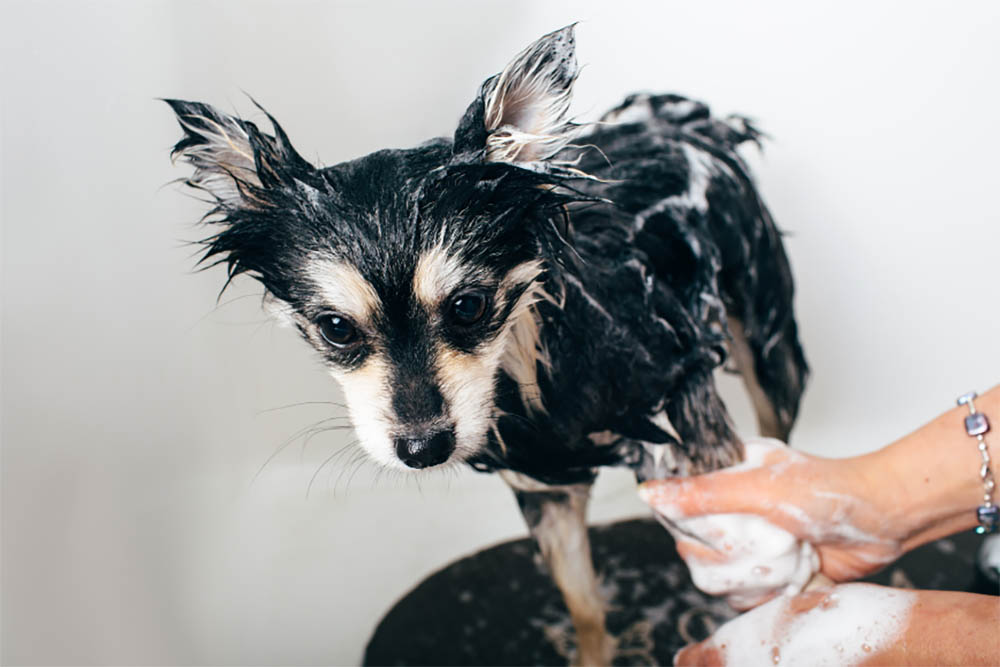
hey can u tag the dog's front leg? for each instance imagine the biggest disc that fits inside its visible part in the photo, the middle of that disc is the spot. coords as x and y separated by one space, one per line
556 516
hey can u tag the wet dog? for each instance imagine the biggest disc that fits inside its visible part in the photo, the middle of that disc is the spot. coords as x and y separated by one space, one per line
533 296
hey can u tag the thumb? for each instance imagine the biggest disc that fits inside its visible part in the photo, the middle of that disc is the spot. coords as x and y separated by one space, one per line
740 489
722 492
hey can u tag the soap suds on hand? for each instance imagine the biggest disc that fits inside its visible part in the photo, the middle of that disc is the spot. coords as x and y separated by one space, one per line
851 623
758 560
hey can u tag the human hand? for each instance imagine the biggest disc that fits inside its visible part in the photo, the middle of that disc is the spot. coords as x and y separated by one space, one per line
841 625
742 557
852 624
828 503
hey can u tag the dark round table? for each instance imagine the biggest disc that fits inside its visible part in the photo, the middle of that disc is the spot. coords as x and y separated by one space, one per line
500 607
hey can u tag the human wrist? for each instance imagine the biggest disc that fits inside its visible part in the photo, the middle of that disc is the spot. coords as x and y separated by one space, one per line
927 482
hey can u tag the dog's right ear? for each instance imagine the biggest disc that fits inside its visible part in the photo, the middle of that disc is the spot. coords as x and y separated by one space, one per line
233 160
520 114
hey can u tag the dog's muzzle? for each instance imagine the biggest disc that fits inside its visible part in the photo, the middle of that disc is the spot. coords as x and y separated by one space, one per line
426 451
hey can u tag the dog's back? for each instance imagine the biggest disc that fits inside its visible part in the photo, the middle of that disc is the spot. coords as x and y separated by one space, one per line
676 169
679 266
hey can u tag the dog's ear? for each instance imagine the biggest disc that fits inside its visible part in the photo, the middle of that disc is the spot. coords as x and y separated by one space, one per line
520 113
233 160
257 182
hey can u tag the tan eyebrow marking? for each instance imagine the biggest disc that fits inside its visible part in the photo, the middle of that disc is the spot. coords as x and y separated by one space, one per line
343 287
436 275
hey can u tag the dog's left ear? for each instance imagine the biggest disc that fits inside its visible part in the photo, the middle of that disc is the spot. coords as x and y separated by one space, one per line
520 113
255 181
233 160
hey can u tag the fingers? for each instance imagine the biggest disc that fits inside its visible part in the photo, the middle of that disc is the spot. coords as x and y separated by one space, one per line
690 550
757 485
732 528
712 493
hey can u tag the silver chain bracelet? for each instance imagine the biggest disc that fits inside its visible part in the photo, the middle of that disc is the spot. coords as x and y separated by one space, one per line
976 425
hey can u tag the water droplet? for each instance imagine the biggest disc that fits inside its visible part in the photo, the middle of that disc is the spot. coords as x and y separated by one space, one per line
775 655
839 647
829 602
866 648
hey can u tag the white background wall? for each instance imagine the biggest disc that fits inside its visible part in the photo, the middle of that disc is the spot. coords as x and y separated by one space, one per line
134 406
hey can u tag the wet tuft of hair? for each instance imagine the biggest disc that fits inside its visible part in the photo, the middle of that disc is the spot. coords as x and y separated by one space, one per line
248 174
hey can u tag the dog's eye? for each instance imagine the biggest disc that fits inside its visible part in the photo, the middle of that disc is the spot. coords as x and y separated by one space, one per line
337 330
468 308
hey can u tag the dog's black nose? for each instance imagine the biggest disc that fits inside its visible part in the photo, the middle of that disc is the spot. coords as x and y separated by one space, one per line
426 451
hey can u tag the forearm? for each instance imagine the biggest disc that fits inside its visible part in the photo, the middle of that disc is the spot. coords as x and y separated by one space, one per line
927 482
946 628
854 624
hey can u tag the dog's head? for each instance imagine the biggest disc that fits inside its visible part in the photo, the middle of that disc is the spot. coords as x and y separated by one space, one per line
412 272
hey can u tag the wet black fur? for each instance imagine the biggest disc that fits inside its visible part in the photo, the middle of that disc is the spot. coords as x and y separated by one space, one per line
728 262
642 318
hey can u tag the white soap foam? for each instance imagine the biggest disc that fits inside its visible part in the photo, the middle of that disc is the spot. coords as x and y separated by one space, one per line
851 624
839 526
755 451
759 558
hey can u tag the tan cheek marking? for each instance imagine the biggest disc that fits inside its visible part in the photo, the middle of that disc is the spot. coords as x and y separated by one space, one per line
370 379
343 287
467 381
467 384
523 347
457 369
368 401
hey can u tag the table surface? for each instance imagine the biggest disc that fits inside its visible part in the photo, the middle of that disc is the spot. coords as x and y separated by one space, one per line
499 606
